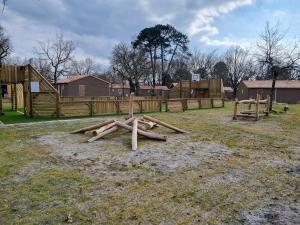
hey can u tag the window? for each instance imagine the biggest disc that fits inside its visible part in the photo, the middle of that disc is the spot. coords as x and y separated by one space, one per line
35 86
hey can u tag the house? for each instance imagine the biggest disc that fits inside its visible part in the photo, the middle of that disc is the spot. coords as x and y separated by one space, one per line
228 93
83 85
144 90
286 91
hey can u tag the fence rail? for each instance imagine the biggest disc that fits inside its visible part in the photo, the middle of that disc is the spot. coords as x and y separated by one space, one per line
183 104
102 107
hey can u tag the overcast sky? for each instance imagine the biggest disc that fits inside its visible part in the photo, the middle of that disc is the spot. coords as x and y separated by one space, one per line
97 25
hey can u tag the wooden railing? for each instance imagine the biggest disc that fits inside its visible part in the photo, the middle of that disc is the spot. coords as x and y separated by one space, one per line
183 104
96 107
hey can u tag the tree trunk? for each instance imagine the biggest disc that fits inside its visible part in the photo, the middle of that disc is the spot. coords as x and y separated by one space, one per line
275 75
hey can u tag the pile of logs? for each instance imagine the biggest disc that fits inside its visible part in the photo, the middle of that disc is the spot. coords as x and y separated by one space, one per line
257 113
137 126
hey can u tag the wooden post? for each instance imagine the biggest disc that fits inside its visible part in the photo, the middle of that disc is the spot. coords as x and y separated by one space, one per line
167 101
15 98
249 106
200 103
24 98
223 102
235 109
268 105
140 102
91 107
257 107
1 107
29 90
134 135
12 97
117 103
212 102
57 105
131 99
190 86
180 86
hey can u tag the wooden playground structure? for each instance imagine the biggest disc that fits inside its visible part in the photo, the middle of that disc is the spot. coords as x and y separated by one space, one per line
137 126
198 89
29 90
257 113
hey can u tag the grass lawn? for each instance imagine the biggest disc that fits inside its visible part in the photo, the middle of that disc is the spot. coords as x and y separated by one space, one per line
222 172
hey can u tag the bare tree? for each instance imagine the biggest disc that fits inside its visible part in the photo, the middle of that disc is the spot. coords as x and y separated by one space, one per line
274 57
43 67
237 61
83 67
5 46
202 63
129 64
58 52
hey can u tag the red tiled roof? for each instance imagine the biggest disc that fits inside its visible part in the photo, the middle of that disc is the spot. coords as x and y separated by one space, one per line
70 79
142 87
268 83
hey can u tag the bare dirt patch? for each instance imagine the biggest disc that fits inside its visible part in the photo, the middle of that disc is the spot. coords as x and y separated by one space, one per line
275 214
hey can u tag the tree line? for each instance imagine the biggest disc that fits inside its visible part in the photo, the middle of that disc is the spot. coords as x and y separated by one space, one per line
160 55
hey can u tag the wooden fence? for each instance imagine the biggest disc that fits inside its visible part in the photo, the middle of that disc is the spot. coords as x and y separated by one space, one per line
102 107
105 98
180 104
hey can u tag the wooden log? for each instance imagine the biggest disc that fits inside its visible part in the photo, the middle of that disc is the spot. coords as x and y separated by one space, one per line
101 129
108 131
164 124
134 135
82 130
150 135
149 125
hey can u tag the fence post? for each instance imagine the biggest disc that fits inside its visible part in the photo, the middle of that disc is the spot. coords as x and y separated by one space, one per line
223 102
91 107
117 102
167 101
212 102
235 109
57 105
140 102
200 103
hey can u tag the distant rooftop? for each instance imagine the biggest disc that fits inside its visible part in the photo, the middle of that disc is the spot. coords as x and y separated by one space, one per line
70 79
268 83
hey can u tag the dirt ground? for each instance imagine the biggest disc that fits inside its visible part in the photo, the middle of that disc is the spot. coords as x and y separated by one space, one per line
222 172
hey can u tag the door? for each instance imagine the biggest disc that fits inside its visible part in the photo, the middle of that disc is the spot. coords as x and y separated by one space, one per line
82 90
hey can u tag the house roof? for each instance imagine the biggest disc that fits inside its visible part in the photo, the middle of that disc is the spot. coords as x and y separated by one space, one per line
70 79
142 87
228 89
268 83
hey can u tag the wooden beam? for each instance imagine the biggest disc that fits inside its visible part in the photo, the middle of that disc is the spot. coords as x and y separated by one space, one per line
134 135
82 130
150 135
106 127
164 124
109 131
1 107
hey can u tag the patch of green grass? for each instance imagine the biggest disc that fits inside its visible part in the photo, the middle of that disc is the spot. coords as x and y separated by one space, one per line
39 188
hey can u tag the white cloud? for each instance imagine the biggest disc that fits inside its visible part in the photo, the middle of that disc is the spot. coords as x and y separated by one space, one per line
203 22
